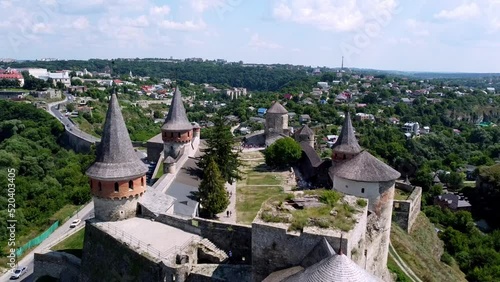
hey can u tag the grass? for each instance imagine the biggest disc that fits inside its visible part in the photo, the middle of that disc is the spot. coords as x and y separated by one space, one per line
250 199
65 213
84 125
394 268
160 171
62 215
313 216
401 195
421 250
262 178
73 244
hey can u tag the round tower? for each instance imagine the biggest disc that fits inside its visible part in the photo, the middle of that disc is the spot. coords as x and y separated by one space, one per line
358 173
276 120
117 177
177 131
305 134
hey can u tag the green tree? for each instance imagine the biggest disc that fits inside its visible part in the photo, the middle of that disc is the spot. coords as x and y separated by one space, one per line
283 153
212 193
220 147
70 107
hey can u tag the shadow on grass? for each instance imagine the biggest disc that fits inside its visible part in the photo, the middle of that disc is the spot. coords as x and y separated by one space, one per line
76 252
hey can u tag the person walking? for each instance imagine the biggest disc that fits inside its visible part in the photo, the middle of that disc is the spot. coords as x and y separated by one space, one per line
228 213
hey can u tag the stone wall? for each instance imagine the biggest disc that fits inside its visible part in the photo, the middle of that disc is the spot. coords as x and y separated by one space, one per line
112 210
76 143
60 265
236 238
273 248
405 212
107 259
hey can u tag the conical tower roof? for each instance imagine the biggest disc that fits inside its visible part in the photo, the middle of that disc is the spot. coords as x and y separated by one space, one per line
177 118
366 168
306 130
277 108
347 142
336 268
115 158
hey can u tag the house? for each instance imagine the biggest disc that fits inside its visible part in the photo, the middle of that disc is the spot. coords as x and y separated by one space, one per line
288 96
412 128
407 101
261 111
47 94
425 130
323 85
77 89
11 74
393 120
491 90
12 95
211 89
304 119
454 202
291 115
363 117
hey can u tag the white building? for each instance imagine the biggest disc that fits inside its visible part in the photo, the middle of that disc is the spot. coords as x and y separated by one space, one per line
412 128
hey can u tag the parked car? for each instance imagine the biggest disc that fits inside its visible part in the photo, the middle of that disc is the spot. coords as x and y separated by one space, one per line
18 273
75 223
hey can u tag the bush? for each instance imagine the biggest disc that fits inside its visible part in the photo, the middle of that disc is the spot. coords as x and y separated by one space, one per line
446 258
329 197
361 202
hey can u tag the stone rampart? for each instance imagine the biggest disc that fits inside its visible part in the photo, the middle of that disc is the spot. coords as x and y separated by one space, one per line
405 212
274 248
62 266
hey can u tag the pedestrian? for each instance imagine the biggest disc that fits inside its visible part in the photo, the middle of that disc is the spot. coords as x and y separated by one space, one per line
227 213
230 254
230 213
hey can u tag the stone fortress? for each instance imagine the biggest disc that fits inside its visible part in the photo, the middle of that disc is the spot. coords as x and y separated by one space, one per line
137 236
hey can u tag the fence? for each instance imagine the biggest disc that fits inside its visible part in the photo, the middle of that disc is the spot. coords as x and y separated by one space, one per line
133 242
36 241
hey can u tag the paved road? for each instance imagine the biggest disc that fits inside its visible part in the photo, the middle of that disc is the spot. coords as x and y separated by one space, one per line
53 110
53 239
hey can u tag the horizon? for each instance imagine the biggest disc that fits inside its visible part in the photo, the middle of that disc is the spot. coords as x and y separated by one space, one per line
386 35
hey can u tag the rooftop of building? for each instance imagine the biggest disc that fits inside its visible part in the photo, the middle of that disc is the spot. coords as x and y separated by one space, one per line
347 142
277 108
324 212
116 158
154 236
177 118
365 168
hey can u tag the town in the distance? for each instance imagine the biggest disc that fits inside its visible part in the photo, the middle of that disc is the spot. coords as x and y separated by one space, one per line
161 169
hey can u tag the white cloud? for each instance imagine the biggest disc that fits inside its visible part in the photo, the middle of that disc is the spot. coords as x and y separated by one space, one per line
417 28
42 28
183 26
5 4
257 42
462 12
201 6
404 41
333 15
160 10
296 49
192 42
80 23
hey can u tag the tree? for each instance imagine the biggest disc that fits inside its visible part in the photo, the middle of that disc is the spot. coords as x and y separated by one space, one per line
220 145
283 153
212 193
70 107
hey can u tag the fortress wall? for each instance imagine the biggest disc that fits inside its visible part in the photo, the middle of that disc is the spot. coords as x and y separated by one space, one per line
273 248
60 265
76 143
107 259
236 238
405 212
111 210
378 231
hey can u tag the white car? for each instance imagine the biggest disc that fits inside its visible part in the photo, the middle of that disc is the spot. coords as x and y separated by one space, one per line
18 272
75 223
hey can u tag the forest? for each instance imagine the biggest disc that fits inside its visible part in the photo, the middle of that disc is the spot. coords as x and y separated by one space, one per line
48 177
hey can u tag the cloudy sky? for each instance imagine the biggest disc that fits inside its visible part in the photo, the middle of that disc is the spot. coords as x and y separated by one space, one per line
420 35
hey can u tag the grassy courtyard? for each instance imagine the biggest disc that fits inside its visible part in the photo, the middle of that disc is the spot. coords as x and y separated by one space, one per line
256 186
73 244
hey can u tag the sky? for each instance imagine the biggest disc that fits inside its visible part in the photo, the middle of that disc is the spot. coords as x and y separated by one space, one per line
420 35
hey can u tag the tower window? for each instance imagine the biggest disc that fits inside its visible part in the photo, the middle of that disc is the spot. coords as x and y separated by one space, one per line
100 186
179 135
171 134
188 133
345 157
131 185
363 190
142 181
116 187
